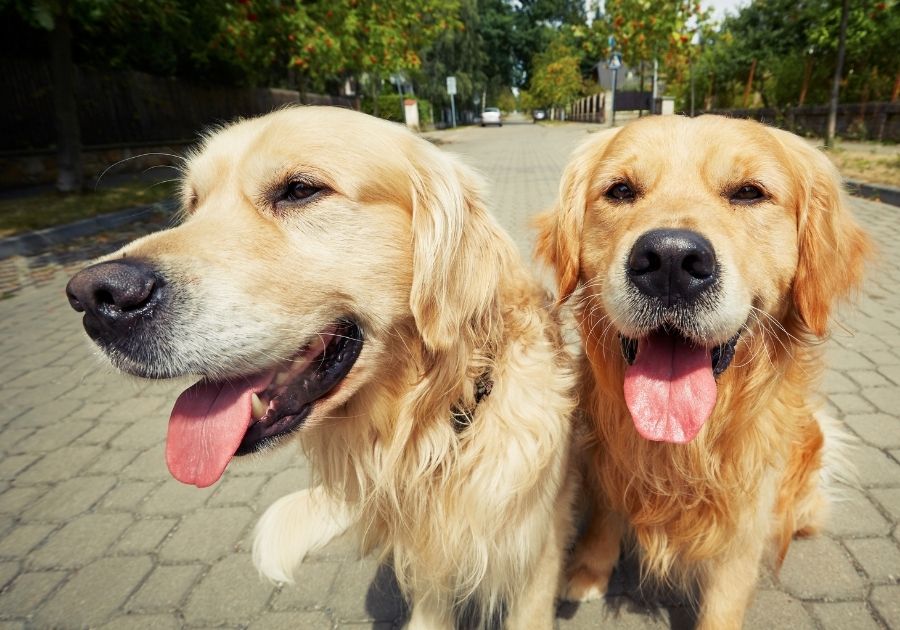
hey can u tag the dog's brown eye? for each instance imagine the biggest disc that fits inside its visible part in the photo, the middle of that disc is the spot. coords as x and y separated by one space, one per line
748 194
300 191
620 192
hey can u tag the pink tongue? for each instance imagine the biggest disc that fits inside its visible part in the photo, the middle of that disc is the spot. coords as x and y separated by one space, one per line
206 427
670 390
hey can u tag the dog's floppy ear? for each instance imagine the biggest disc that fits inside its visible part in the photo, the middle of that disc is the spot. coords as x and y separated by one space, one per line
559 229
459 254
832 246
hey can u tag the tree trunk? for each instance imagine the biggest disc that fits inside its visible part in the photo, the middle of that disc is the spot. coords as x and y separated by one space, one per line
749 85
807 75
895 93
70 173
838 72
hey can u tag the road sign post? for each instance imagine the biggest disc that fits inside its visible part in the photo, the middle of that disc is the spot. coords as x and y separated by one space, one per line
614 63
451 90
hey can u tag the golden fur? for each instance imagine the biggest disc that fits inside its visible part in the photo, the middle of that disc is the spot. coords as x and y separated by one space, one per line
470 517
704 514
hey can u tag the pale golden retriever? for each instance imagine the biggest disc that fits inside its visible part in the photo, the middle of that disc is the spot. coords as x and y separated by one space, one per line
338 280
705 256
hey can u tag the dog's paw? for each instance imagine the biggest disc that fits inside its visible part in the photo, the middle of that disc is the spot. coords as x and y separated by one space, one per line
294 526
585 585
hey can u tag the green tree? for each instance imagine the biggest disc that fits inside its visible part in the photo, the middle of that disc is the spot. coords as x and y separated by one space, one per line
556 80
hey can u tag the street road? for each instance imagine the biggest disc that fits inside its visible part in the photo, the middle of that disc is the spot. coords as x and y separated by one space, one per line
94 531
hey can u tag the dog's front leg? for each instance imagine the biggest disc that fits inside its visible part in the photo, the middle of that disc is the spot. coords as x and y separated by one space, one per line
727 586
294 526
595 556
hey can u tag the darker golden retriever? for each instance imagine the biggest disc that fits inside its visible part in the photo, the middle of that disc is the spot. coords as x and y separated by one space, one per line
339 281
705 256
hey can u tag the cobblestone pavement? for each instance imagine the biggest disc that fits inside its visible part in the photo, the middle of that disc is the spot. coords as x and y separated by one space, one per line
94 532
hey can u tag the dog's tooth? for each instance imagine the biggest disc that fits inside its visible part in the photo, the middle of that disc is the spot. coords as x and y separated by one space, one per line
258 406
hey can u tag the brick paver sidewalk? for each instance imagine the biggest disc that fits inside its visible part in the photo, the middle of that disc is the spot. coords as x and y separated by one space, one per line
94 532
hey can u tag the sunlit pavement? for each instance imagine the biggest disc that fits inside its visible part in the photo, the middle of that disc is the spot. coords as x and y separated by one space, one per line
94 531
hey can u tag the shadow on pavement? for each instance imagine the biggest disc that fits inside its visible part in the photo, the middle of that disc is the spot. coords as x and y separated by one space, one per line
385 603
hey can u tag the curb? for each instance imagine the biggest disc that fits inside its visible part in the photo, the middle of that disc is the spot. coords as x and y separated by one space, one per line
878 192
33 243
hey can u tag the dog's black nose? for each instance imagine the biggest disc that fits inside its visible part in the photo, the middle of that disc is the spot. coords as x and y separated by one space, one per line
113 295
673 265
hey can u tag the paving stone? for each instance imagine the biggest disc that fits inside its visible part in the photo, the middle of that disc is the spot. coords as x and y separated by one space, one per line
151 464
845 616
835 382
847 359
246 596
615 612
176 498
206 535
774 609
94 592
145 535
877 429
62 398
854 514
51 412
28 591
63 464
101 434
886 600
888 498
851 403
879 558
8 570
141 435
80 541
127 495
344 547
869 378
11 465
818 568
91 410
17 498
111 462
12 437
281 484
236 490
145 622
883 398
39 378
69 498
292 621
133 407
874 467
892 370
18 542
165 588
53 437
365 591
6 523
313 582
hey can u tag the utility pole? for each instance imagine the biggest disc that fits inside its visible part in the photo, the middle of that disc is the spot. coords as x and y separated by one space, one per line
838 71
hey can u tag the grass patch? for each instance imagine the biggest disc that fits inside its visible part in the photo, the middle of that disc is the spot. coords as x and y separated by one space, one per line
44 210
867 165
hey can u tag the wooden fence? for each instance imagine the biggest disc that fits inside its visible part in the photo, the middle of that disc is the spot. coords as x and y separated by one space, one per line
859 121
127 108
589 109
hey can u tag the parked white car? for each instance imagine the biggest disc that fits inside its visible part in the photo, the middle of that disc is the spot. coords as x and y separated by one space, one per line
491 116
